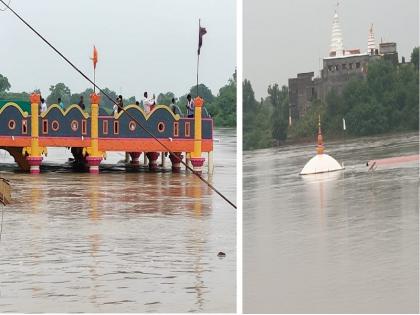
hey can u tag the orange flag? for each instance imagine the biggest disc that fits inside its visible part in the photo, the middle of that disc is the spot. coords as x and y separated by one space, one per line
95 57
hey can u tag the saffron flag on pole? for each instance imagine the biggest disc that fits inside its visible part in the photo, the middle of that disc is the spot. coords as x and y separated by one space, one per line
95 57
201 32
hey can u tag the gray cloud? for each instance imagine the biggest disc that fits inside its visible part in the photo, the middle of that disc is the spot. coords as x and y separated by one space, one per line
143 45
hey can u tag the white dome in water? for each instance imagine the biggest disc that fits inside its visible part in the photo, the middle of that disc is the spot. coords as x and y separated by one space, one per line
321 163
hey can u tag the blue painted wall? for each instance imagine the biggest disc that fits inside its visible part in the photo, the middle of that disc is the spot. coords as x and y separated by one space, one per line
159 116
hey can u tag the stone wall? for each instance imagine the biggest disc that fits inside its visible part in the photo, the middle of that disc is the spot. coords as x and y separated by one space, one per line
301 93
335 74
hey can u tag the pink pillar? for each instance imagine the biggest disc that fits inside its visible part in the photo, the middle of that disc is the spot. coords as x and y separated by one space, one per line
93 162
135 158
34 163
152 156
197 164
176 161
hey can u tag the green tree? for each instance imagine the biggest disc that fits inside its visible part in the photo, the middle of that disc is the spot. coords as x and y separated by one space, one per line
257 124
165 98
4 85
307 127
279 99
223 108
367 119
129 101
415 57
60 90
386 101
23 96
203 91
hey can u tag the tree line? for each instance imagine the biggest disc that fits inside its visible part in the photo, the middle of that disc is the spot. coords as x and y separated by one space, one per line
387 101
221 107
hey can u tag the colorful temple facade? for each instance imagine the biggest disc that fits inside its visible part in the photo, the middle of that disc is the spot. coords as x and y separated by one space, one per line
27 135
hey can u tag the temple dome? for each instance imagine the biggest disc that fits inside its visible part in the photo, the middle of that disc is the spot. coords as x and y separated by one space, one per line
321 163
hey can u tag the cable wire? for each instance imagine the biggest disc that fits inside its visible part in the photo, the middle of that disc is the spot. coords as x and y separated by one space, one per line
6 6
122 108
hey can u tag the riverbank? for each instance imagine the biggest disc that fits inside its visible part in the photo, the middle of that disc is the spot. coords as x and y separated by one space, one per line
337 138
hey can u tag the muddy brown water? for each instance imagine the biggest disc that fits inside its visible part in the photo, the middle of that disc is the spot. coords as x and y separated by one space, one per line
121 241
344 242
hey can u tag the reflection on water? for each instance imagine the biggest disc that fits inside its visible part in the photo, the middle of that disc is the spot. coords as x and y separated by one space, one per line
120 241
337 242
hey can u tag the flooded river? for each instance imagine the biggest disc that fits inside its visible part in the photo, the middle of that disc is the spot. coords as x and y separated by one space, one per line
121 241
346 242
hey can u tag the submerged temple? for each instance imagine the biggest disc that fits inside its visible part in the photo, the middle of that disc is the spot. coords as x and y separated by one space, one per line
321 162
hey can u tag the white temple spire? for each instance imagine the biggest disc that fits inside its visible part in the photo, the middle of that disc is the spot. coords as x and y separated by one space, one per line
336 47
371 41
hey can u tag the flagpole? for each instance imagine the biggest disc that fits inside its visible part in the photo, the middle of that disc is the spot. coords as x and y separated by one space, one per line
95 60
198 54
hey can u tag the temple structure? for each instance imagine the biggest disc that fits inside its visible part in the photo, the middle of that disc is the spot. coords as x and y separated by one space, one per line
336 47
321 162
26 135
339 67
371 41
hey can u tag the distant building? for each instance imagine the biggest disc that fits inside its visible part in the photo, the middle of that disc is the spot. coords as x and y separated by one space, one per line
339 67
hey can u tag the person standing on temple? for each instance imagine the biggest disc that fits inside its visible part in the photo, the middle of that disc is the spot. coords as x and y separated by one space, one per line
147 103
120 103
43 106
81 104
190 107
60 103
152 102
172 106
115 107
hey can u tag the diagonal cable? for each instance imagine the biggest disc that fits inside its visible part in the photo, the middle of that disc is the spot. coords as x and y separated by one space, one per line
122 108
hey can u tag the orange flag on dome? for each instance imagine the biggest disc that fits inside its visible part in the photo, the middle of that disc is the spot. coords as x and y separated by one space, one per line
95 57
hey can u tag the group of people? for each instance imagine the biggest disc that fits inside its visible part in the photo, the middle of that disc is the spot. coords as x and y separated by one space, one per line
43 105
149 104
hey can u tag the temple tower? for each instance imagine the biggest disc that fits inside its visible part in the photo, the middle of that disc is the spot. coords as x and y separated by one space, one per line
336 47
371 41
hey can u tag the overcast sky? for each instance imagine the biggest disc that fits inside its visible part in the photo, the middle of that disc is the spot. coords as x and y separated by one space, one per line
142 45
284 37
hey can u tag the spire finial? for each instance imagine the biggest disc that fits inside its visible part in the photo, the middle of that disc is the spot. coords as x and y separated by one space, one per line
320 143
